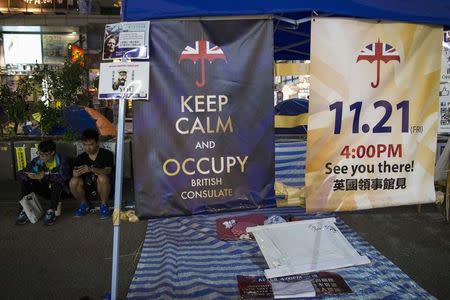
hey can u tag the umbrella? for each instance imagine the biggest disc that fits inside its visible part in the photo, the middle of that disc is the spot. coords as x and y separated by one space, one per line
203 50
104 126
378 52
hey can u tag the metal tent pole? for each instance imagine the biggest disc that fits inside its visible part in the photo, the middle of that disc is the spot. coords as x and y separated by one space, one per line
118 198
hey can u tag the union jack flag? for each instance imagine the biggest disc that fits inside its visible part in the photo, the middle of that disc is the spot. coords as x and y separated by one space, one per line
202 50
378 51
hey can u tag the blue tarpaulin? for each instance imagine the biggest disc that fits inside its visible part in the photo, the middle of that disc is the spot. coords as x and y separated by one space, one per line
417 11
76 120
291 41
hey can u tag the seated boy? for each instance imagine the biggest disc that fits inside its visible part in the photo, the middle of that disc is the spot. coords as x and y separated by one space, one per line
92 174
46 175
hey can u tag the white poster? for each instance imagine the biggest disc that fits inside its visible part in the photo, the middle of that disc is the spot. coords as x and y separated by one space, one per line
373 114
445 62
128 80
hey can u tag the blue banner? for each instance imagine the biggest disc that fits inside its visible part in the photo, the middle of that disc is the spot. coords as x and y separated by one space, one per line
204 142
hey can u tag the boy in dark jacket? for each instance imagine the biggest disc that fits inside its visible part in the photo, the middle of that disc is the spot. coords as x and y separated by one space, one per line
47 175
92 173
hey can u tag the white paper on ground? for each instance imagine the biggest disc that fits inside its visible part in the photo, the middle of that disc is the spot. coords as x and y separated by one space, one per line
32 207
292 289
305 246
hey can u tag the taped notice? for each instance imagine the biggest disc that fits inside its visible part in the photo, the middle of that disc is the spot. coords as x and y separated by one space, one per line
21 158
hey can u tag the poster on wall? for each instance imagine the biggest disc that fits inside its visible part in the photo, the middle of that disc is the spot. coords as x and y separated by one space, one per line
55 47
126 40
17 48
371 132
205 139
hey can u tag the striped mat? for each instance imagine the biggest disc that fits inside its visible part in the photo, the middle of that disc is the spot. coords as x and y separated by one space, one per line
182 258
290 162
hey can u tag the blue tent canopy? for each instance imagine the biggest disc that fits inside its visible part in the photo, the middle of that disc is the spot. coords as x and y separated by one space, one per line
292 37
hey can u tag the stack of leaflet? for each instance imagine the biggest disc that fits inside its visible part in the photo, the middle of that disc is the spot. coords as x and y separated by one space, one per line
305 246
297 286
286 290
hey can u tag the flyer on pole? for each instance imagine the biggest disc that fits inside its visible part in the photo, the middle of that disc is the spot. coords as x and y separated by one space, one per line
126 40
124 79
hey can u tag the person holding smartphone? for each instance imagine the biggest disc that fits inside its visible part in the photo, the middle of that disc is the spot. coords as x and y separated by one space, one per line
92 174
46 175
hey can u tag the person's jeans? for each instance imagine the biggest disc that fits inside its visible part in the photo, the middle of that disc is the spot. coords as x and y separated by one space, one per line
46 189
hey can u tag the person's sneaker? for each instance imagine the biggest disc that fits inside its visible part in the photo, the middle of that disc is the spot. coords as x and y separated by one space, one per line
22 218
82 210
104 211
50 217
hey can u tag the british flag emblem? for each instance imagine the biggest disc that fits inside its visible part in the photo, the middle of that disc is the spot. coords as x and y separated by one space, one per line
378 52
202 50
